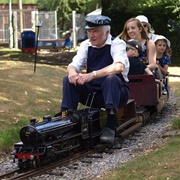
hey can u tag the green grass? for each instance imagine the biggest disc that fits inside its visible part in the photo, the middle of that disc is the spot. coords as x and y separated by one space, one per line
10 135
25 94
175 124
158 165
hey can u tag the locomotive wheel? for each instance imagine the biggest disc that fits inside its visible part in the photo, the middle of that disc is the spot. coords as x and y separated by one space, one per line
35 163
24 165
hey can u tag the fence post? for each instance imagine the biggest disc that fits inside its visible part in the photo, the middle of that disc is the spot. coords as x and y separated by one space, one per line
10 26
74 29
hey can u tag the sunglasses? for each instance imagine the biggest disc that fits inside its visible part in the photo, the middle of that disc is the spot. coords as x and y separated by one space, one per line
128 48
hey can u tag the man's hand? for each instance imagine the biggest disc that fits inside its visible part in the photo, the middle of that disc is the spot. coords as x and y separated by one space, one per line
72 74
79 78
73 78
83 78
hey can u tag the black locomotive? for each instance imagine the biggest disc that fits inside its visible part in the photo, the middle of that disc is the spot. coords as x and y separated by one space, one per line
57 137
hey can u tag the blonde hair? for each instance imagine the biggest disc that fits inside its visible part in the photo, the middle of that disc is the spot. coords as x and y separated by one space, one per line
124 35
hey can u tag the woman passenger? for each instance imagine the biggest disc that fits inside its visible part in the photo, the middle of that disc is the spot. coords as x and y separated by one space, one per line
147 26
133 29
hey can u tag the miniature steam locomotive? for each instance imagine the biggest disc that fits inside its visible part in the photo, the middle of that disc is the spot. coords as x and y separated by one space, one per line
57 137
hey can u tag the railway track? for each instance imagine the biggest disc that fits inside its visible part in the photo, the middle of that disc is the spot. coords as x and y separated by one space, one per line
46 169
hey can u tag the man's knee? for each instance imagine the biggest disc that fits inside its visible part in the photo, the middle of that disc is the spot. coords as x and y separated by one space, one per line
112 78
113 81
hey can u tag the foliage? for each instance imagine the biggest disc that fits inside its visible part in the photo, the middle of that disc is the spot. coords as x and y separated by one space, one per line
159 12
64 9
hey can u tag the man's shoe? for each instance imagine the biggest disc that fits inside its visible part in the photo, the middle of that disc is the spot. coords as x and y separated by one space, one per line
108 136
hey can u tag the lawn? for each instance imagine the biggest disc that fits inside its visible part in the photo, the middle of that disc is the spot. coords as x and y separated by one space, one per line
25 94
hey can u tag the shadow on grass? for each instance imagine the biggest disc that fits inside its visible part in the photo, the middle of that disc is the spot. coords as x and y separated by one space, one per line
50 58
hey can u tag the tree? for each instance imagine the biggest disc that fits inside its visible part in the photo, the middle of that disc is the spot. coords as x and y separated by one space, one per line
64 9
158 12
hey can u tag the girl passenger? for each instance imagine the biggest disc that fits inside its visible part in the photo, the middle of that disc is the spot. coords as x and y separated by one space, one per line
163 57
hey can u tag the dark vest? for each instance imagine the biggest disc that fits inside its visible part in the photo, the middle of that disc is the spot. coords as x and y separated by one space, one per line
99 58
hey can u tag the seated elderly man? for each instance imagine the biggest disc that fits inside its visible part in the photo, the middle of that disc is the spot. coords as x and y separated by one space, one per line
107 67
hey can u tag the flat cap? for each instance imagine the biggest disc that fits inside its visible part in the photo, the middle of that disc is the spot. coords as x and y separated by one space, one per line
136 44
93 21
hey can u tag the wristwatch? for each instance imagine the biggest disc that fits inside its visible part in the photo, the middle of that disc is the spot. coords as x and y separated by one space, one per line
95 73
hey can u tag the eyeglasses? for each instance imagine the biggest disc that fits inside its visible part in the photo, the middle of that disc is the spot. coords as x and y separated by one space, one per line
128 48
